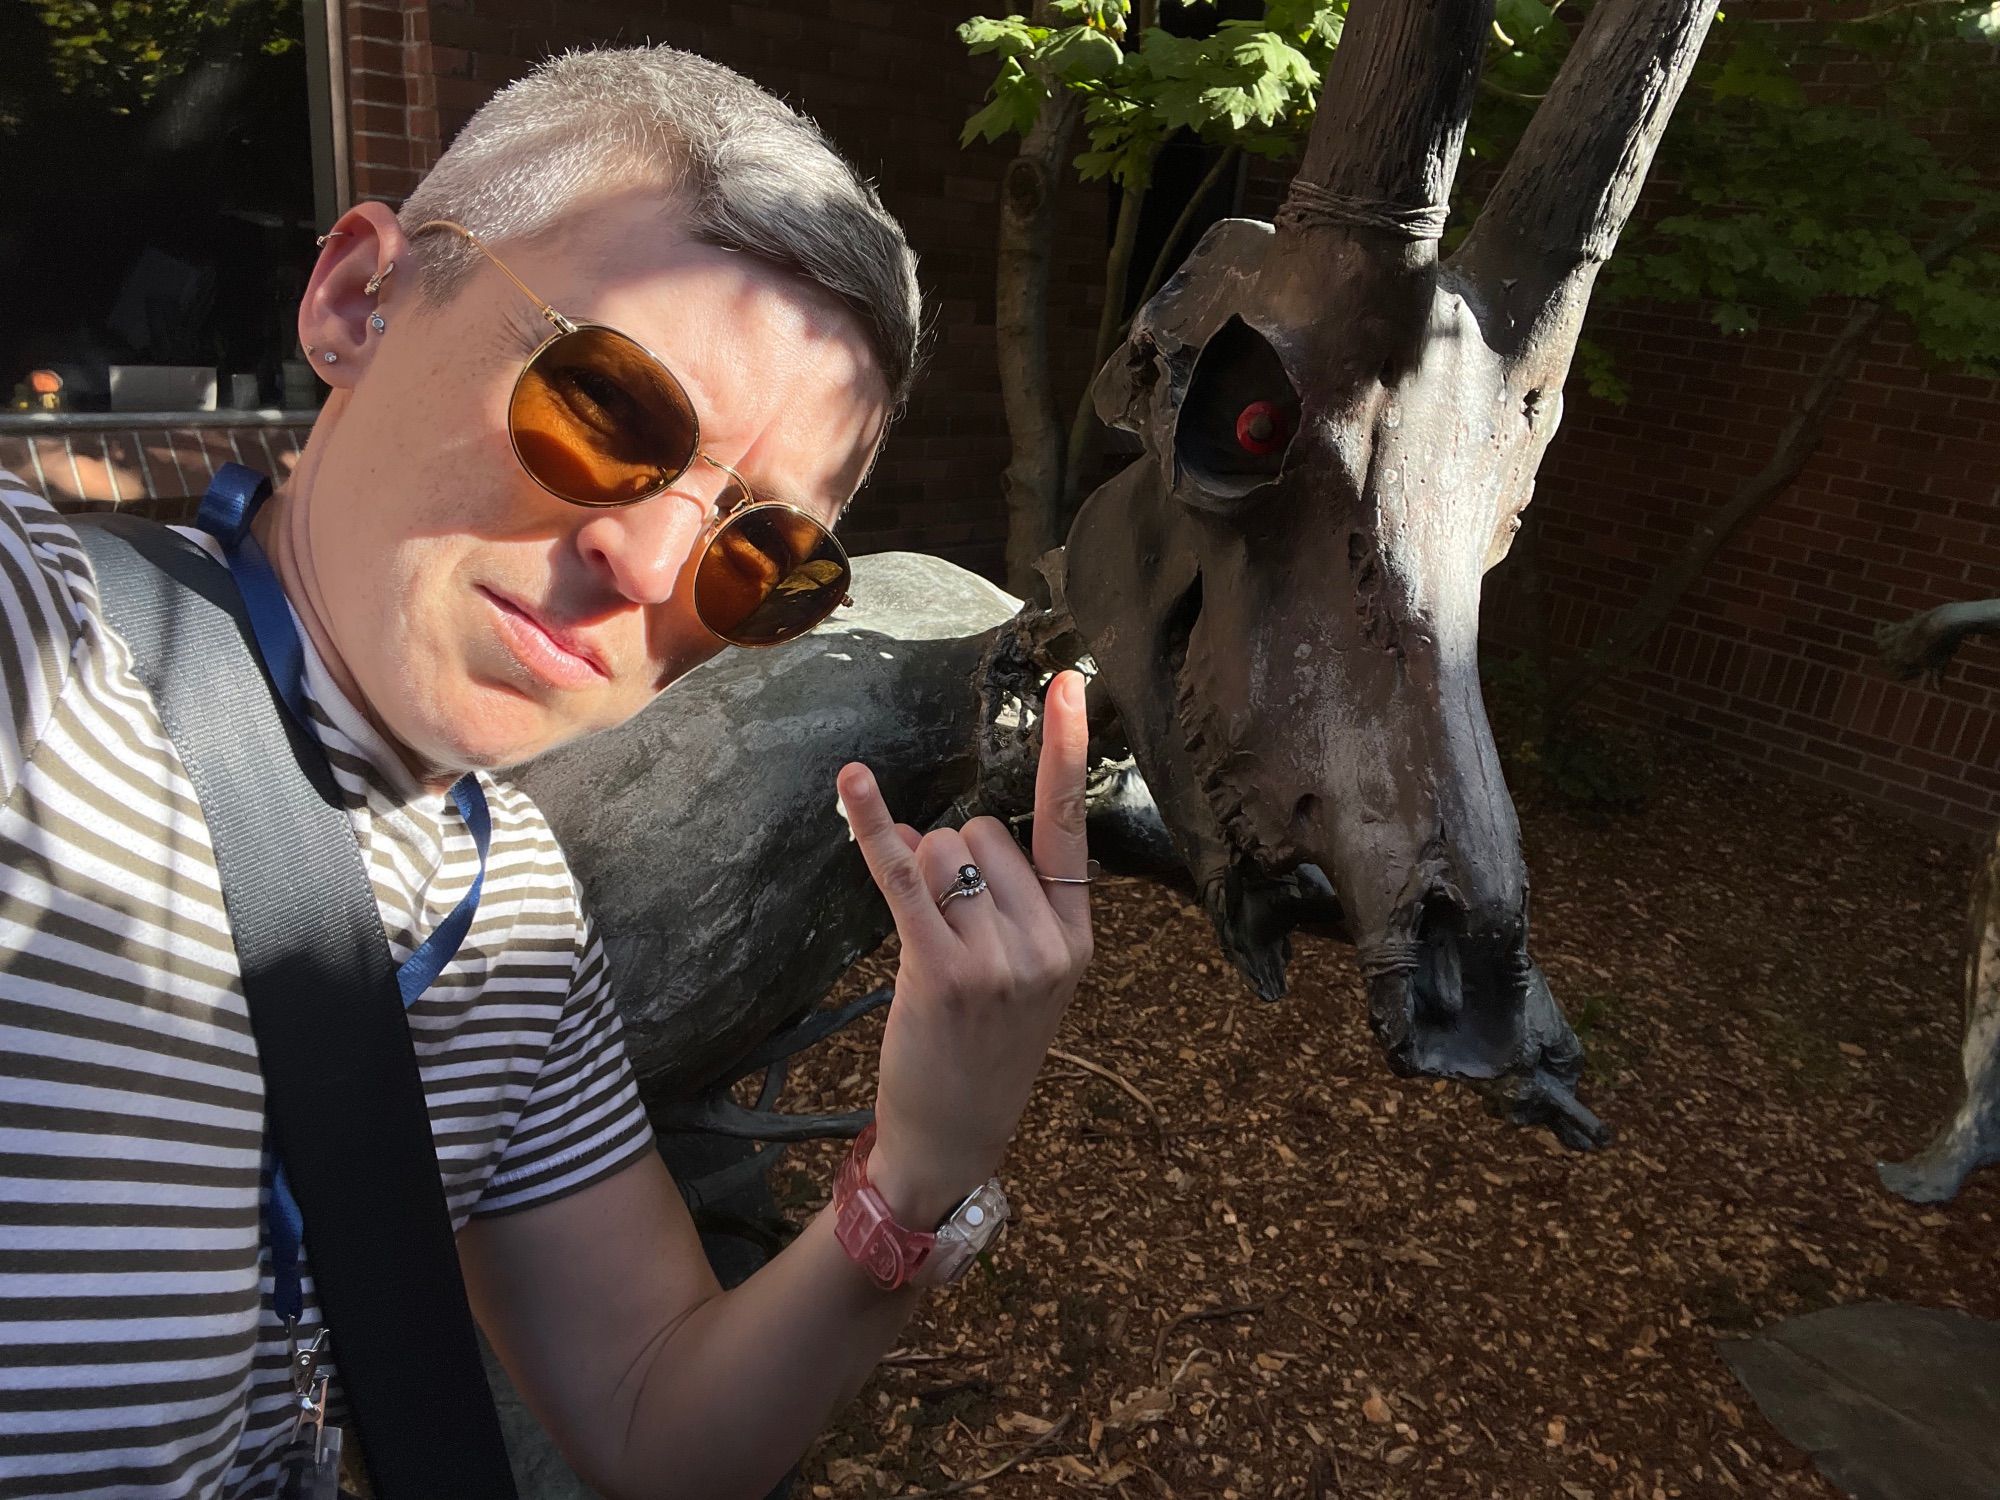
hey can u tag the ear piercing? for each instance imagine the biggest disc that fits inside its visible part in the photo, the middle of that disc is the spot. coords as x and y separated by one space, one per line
373 286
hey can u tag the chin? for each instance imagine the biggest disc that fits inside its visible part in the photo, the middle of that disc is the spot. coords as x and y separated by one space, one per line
487 736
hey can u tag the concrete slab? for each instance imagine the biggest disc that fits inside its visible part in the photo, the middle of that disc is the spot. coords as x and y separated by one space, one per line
1892 1402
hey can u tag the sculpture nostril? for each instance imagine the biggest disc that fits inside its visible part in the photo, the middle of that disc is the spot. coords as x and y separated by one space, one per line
1260 428
1305 819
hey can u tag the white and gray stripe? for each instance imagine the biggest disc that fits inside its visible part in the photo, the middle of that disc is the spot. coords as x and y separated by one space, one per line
138 1352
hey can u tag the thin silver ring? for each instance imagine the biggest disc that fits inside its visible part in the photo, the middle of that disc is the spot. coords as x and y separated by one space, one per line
969 883
1092 869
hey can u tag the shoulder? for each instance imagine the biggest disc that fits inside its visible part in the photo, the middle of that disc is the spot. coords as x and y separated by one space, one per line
528 867
34 533
48 599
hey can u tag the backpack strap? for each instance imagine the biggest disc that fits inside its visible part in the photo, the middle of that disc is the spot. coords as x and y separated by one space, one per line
343 1096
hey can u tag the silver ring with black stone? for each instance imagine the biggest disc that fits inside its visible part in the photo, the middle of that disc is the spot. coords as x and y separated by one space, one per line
968 883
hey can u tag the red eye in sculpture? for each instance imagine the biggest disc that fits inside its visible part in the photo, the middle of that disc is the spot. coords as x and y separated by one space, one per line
1237 420
1261 428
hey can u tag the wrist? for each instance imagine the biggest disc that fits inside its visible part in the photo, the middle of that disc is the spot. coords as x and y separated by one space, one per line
918 1198
914 1241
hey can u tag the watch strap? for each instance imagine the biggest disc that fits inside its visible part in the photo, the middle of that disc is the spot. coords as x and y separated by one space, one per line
895 1256
866 1226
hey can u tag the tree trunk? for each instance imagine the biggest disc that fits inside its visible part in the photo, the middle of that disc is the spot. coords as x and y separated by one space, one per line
1797 441
1117 276
1033 483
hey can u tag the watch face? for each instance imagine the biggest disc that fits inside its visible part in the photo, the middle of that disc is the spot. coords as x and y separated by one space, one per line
968 1231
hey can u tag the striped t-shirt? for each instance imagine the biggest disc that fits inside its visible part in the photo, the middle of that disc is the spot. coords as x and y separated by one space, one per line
139 1354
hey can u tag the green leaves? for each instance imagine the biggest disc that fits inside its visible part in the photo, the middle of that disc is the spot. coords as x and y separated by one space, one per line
1013 103
1010 36
1081 54
1786 199
1753 70
124 51
1520 21
1253 83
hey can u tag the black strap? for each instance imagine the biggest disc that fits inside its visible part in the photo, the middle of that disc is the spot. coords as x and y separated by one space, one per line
343 1095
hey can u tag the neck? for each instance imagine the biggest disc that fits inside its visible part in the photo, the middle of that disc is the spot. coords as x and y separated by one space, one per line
282 527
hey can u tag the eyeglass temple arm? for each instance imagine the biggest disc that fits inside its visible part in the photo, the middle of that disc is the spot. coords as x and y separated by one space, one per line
556 319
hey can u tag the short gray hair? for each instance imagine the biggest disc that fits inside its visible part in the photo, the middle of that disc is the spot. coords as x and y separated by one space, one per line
747 173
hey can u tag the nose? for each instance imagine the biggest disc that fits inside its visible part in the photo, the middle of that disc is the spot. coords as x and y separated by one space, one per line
644 549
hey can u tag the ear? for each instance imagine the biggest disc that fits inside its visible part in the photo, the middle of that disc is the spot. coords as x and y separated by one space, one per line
335 312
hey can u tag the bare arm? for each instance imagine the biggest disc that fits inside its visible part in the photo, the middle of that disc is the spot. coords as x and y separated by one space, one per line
657 1383
653 1380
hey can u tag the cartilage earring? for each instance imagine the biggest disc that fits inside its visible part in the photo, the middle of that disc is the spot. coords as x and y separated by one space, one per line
375 322
331 234
375 281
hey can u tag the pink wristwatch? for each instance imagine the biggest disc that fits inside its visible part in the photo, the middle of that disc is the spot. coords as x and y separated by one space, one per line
894 1256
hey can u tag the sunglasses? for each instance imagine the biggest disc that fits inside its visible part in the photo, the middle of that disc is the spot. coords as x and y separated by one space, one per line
597 419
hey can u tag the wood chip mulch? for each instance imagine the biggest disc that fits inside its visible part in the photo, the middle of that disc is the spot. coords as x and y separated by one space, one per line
1289 1273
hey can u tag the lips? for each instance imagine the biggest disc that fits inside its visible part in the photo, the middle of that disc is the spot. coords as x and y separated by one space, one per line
558 658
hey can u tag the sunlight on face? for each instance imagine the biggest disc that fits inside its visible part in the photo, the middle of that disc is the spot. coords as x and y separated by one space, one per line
483 619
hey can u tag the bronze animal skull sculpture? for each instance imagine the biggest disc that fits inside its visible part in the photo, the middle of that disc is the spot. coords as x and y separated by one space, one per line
1341 430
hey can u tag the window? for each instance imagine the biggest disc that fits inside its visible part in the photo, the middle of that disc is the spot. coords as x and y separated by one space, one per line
157 191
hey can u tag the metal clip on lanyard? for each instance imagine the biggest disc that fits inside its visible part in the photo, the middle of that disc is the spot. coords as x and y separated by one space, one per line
226 513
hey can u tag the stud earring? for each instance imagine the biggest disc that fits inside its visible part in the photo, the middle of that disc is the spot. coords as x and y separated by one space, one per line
330 357
375 322
375 281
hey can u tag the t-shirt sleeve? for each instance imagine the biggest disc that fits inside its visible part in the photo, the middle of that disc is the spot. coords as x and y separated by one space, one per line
583 1120
44 582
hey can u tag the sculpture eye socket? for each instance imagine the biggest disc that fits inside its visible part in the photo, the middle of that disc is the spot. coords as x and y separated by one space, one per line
1238 418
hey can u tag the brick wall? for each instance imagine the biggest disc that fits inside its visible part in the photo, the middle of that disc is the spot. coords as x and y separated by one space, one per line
1770 658
148 466
891 84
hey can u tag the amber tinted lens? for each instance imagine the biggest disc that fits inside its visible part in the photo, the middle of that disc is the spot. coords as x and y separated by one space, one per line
599 421
769 574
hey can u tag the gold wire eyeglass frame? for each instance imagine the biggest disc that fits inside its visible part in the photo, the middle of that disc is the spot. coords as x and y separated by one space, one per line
746 500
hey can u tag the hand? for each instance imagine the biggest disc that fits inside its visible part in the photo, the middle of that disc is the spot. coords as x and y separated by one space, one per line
984 982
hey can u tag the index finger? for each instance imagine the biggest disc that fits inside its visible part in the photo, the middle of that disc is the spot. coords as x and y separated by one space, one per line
1061 845
891 858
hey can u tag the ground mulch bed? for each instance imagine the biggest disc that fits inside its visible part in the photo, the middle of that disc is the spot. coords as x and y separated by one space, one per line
1251 1262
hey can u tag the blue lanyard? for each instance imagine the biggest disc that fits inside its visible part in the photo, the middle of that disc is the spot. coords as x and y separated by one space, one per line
226 509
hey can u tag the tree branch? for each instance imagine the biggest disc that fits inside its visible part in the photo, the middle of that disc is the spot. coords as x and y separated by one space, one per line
1923 645
1168 258
1572 181
1391 120
1798 439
